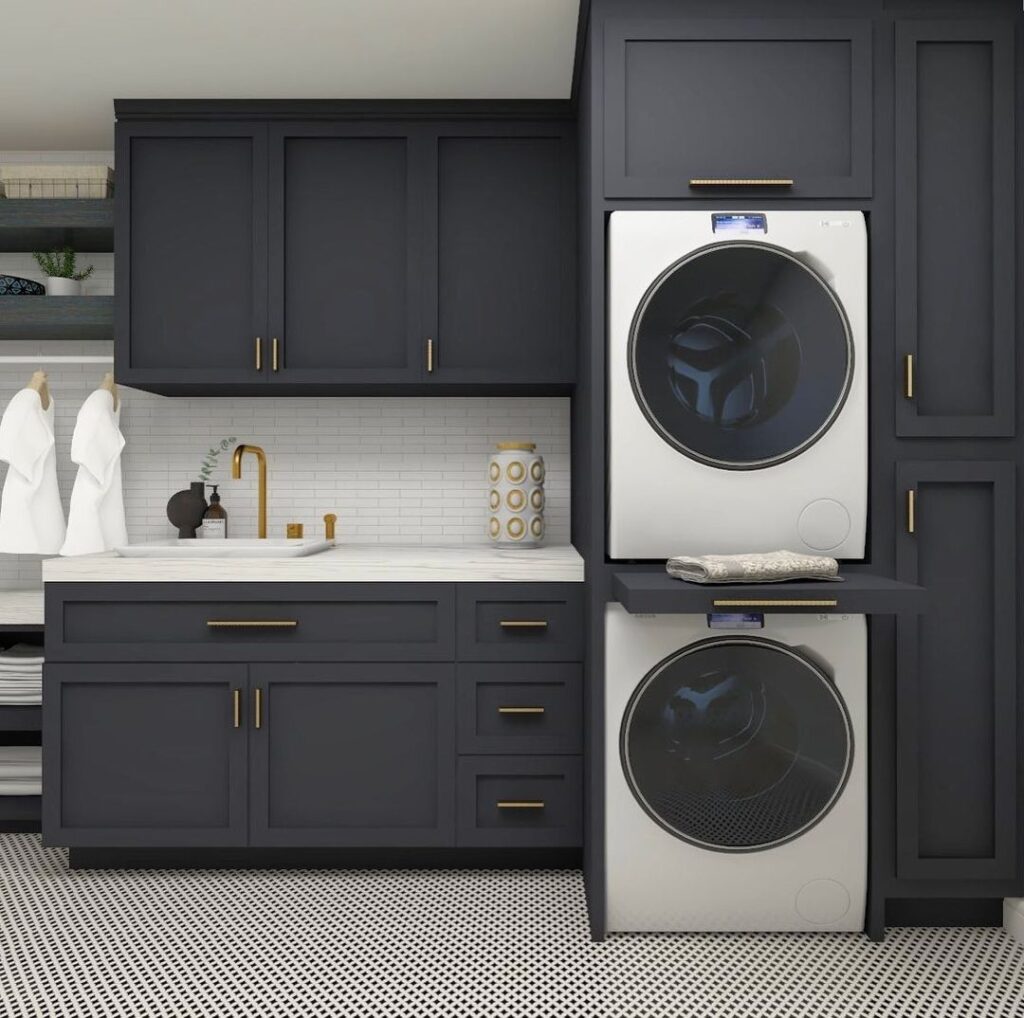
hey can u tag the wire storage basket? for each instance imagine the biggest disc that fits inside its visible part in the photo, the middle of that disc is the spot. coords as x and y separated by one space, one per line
57 187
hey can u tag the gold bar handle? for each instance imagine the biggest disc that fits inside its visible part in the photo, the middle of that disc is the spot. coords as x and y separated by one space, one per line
236 707
741 182
251 623
800 602
520 710
273 354
908 376
430 356
258 708
911 509
259 354
520 804
523 624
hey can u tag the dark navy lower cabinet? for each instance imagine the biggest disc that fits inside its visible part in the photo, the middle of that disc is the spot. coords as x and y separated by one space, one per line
352 754
144 755
323 730
957 728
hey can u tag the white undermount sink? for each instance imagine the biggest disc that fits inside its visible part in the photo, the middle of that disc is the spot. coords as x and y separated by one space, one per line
228 547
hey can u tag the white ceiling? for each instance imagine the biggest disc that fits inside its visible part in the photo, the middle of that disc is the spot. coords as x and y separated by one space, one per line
65 61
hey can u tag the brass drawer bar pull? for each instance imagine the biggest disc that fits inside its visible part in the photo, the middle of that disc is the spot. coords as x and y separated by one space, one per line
809 602
523 624
741 182
251 623
236 707
257 709
259 354
273 354
520 710
520 804
908 376
430 356
911 510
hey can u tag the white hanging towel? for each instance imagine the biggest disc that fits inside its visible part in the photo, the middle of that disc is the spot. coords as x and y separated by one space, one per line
31 515
96 518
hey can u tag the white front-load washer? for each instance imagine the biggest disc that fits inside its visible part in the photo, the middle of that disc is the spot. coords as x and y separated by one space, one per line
737 383
735 772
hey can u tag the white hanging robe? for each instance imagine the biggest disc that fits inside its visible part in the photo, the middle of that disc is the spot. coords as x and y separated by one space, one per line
31 514
96 517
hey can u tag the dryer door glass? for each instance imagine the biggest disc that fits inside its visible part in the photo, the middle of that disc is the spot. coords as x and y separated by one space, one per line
740 355
736 744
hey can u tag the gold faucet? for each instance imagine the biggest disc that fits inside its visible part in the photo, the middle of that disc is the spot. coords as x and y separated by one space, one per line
236 473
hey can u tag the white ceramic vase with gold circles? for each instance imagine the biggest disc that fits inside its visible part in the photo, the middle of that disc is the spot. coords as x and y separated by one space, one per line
516 496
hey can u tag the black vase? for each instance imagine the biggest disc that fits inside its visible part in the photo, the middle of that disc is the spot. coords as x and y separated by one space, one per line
185 509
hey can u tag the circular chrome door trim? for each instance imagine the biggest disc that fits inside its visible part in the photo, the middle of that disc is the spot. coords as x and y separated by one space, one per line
663 432
693 648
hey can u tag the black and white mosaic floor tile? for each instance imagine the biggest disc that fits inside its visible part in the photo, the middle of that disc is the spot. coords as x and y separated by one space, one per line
486 944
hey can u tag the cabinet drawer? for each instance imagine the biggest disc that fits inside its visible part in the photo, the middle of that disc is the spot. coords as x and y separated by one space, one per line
520 622
270 622
510 708
515 801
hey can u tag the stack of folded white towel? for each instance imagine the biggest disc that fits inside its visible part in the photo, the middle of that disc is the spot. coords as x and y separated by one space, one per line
21 770
21 674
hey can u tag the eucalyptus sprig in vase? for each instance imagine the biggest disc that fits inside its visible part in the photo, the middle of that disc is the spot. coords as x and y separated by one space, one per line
185 508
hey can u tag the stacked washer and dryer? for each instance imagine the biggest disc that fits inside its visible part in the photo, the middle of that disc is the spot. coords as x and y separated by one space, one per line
735 748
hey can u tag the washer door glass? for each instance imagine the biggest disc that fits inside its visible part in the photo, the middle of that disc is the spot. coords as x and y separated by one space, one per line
736 744
740 355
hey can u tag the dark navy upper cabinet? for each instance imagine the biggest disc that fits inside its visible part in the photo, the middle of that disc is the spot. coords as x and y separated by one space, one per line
501 261
955 228
191 266
345 254
736 101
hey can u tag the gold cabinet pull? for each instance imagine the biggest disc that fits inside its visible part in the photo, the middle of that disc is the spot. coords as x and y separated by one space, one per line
741 181
430 356
520 710
799 602
523 624
257 709
911 509
236 707
520 804
273 354
908 376
251 623
259 354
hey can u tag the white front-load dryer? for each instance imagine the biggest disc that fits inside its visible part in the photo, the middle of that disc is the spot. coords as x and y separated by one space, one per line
735 772
737 383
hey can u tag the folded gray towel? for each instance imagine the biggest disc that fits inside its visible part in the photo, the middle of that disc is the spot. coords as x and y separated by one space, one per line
757 567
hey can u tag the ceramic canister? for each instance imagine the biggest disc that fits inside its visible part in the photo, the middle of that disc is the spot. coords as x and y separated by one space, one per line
516 496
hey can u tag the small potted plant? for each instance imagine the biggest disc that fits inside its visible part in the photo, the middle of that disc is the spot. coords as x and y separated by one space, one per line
62 279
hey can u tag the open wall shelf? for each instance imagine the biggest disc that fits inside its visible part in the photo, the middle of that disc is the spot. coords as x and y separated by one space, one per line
56 318
47 224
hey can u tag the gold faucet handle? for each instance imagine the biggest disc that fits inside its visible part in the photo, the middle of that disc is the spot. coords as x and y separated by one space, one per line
329 520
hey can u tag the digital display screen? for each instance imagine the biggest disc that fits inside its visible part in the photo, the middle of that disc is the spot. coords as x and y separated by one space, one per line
739 222
736 620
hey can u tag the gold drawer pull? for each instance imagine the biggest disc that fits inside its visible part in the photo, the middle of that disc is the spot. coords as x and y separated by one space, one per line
523 624
273 354
911 510
258 708
824 602
251 623
430 356
236 707
520 710
741 182
259 354
908 376
520 804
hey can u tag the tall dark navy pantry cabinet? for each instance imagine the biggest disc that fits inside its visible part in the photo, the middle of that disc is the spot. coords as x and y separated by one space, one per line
905 109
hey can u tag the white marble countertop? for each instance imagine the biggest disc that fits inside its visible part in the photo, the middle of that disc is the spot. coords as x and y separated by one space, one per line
349 563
